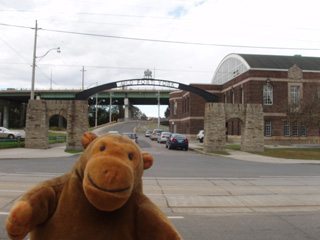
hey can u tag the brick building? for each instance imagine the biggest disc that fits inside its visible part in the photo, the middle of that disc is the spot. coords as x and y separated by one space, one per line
276 82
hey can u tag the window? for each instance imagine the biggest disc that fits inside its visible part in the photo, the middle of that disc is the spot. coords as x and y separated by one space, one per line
295 132
267 95
242 95
303 131
175 106
268 129
286 129
231 67
232 96
295 95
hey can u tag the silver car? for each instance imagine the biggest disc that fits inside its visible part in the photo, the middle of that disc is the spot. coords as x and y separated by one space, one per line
163 137
6 133
155 134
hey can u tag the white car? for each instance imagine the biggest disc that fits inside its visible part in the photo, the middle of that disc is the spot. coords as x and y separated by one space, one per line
6 133
200 135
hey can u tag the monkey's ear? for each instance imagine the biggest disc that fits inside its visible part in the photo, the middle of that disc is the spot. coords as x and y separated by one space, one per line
87 138
147 160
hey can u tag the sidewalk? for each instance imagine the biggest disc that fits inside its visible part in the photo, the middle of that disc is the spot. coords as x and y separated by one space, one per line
55 150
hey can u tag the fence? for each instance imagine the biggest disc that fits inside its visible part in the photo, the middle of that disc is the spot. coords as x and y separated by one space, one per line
22 140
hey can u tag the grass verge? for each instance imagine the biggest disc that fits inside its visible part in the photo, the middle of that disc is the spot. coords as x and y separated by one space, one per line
286 153
292 153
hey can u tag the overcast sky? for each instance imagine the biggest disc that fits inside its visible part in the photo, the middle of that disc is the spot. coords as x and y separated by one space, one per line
179 40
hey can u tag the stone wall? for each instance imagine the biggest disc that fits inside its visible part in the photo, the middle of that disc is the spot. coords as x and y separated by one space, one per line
37 123
251 117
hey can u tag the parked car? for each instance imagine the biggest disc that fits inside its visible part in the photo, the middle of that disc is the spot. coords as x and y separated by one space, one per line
163 137
155 134
176 140
200 135
131 135
148 132
6 133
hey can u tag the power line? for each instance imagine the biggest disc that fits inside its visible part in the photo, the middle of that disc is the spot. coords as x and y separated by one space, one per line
178 42
167 41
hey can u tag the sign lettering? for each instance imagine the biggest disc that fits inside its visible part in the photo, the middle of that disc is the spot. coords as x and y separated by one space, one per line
150 82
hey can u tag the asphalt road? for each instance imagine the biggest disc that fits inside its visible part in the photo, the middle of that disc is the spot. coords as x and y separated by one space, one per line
17 175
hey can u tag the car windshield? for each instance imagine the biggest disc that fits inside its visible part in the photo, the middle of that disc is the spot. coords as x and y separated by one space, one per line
4 129
165 134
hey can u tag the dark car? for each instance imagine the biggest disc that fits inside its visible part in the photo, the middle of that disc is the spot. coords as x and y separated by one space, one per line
177 140
131 135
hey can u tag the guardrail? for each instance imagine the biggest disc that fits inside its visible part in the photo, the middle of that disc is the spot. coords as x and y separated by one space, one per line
56 139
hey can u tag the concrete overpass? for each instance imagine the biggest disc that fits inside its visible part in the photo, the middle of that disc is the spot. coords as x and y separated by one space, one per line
18 99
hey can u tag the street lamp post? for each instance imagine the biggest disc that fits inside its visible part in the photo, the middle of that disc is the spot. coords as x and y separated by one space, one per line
34 60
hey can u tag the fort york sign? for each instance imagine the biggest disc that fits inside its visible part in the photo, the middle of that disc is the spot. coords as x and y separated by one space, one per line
146 82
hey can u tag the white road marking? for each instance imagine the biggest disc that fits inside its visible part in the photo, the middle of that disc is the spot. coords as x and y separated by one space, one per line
175 217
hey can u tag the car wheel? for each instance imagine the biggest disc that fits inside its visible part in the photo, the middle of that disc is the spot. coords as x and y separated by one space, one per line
170 147
186 148
10 136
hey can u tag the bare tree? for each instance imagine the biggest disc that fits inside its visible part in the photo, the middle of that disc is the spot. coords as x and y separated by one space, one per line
306 111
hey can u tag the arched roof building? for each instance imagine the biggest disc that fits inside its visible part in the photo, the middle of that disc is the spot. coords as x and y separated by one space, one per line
234 65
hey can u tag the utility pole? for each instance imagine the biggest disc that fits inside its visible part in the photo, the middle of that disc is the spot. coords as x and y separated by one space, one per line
158 109
83 76
34 61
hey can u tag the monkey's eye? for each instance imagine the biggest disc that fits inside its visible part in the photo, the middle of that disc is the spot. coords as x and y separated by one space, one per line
130 156
102 148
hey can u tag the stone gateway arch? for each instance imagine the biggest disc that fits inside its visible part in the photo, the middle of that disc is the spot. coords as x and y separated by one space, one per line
76 113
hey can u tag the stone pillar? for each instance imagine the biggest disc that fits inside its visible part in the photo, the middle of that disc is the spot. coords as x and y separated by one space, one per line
77 123
214 127
252 139
37 125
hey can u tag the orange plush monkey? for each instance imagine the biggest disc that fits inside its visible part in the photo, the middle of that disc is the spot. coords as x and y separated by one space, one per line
100 198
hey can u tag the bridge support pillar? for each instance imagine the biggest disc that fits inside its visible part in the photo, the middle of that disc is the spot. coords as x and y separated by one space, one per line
126 109
6 115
